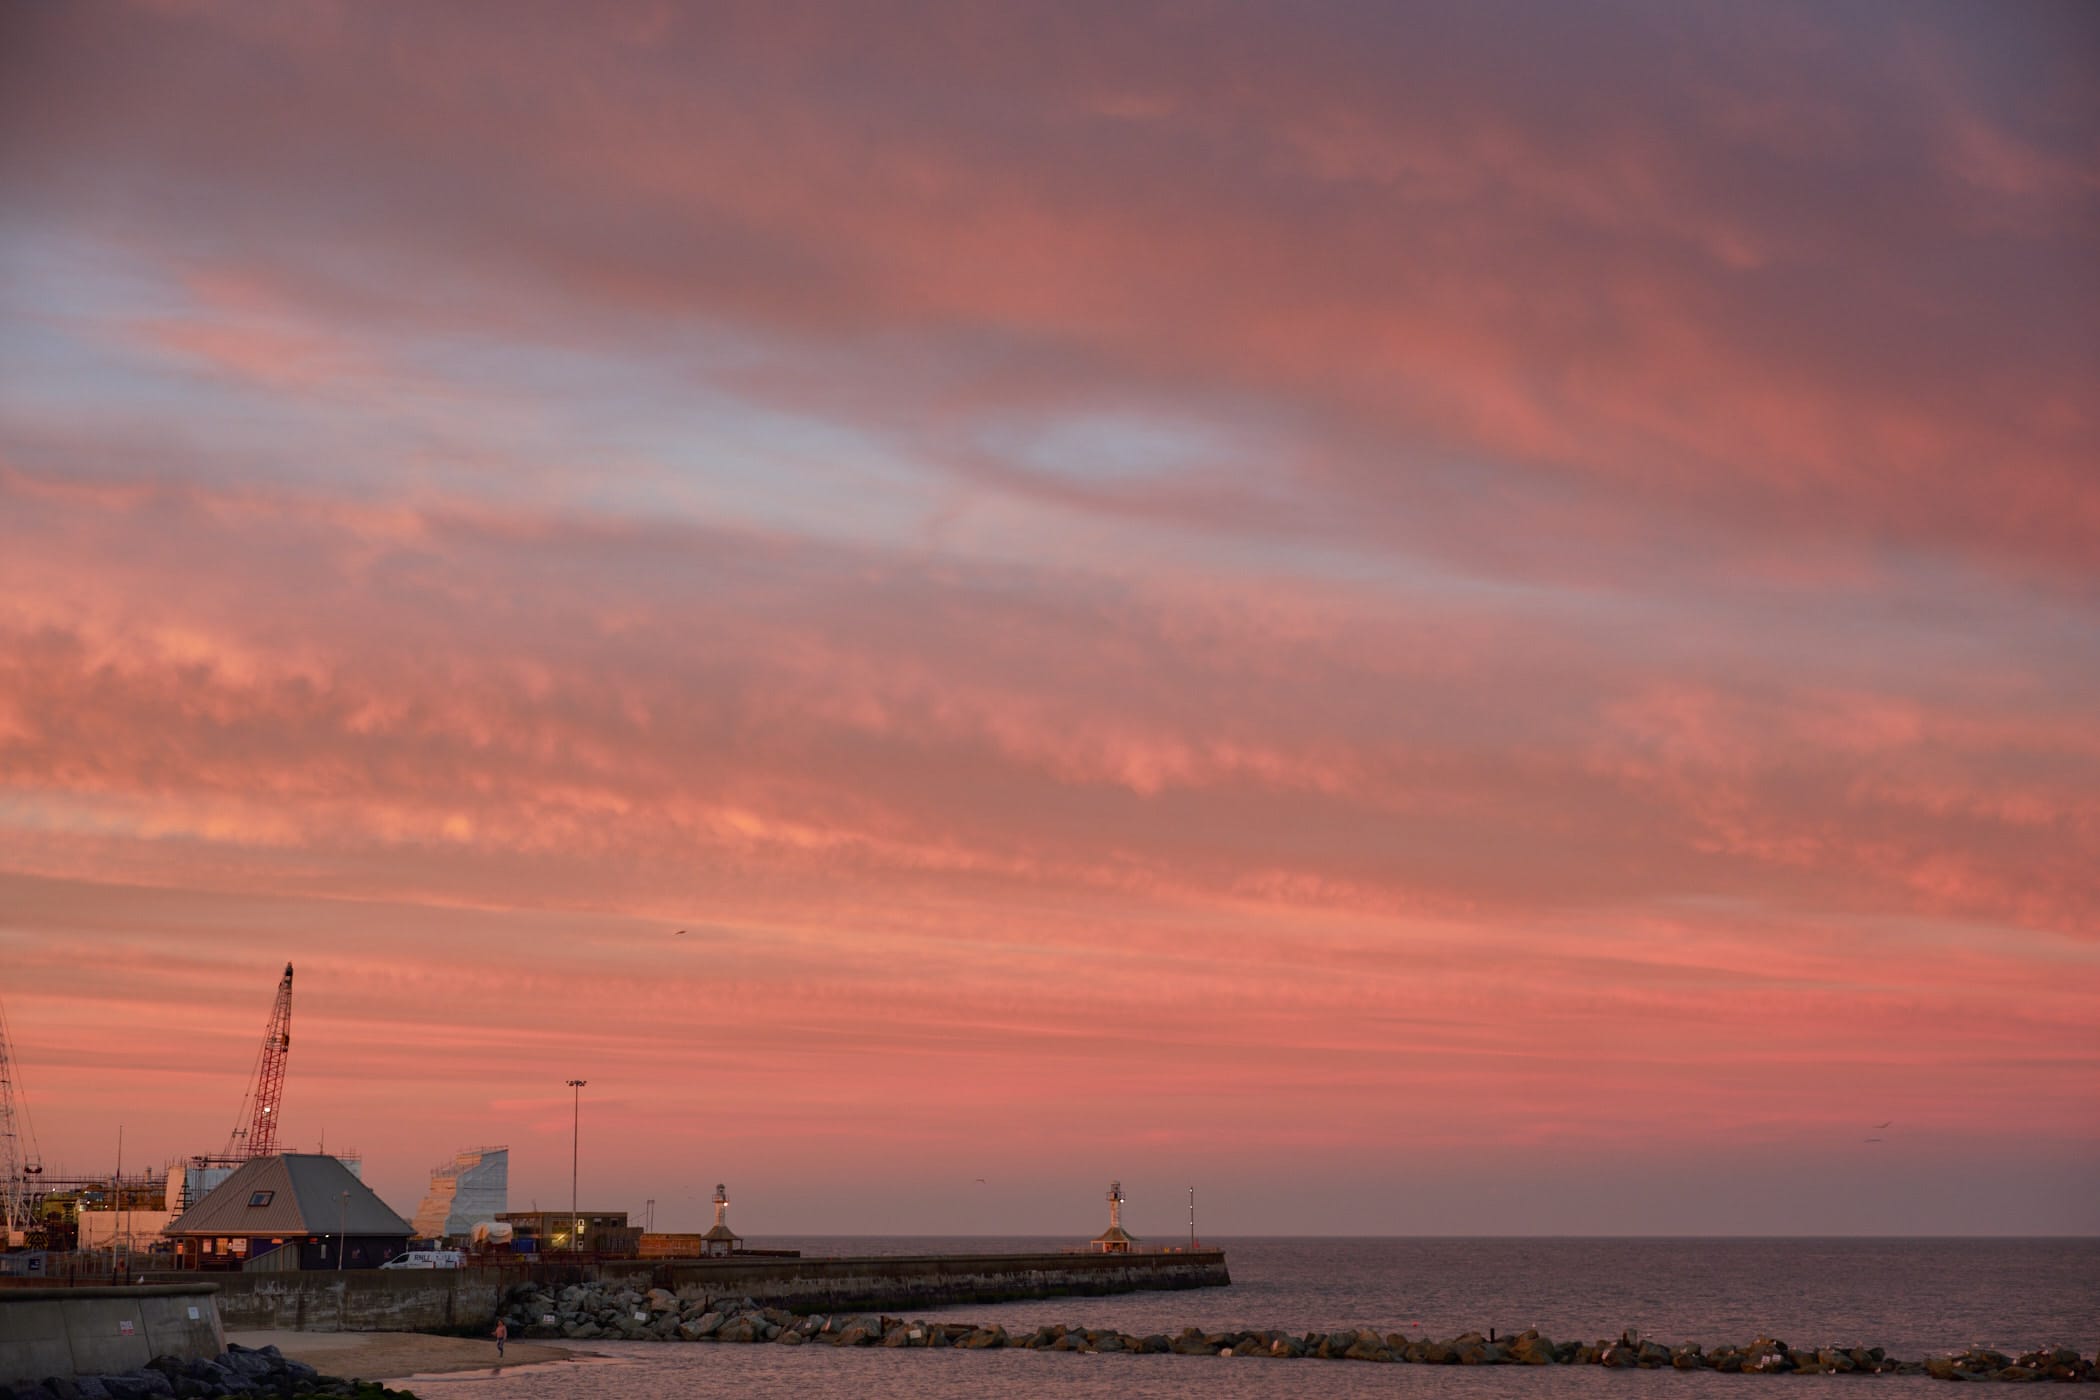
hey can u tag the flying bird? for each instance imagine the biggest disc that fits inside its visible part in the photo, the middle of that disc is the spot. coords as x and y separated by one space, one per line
1879 1126
679 934
1873 1139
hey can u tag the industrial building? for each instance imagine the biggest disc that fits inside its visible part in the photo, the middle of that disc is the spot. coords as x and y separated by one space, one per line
593 1231
295 1210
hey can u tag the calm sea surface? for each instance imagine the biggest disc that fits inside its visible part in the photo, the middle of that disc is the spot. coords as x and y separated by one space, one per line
1914 1297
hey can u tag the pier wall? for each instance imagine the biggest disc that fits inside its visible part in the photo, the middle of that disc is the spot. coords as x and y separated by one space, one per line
363 1300
104 1331
836 1285
382 1300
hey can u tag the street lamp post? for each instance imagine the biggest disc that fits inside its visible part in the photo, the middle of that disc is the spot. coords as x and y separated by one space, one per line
575 1139
342 1233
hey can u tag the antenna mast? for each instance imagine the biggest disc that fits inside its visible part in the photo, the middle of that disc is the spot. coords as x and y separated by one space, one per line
255 1132
19 1160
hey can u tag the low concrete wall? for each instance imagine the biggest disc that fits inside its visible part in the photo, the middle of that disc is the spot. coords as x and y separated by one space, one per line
104 1331
416 1300
362 1300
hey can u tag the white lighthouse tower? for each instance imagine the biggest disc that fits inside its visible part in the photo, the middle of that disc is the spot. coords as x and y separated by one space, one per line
1115 1239
721 1240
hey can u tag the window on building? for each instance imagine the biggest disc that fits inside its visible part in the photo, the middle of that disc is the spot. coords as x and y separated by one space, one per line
261 1198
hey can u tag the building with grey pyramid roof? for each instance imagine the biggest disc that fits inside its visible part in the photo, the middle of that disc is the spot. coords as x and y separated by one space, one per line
295 1210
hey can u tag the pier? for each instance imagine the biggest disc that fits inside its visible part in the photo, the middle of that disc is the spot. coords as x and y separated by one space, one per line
410 1300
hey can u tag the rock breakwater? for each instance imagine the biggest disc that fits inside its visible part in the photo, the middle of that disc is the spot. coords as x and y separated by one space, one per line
587 1311
251 1373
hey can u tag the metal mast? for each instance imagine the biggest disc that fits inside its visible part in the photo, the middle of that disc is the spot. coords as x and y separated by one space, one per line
19 1160
255 1133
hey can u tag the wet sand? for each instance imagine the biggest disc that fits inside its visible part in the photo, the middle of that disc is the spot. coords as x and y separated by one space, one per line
376 1356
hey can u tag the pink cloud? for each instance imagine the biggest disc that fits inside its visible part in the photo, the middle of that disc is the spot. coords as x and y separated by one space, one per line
1320 599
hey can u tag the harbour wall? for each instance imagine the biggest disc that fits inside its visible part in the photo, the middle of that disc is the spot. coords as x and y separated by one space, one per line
833 1285
104 1331
382 1300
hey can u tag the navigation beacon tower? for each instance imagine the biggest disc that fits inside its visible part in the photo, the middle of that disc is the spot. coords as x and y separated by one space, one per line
721 1240
1115 1239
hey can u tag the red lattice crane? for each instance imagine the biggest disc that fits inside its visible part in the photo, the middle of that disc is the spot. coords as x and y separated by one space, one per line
255 1133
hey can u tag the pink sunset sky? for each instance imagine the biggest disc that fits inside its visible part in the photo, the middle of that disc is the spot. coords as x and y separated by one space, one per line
1433 619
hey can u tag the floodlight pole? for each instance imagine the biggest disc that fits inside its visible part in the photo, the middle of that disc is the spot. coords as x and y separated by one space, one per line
575 1155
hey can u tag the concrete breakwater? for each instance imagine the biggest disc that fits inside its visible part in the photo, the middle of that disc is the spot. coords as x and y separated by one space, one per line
582 1313
914 1281
431 1300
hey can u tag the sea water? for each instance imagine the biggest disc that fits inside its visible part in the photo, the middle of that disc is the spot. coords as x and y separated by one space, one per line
1915 1298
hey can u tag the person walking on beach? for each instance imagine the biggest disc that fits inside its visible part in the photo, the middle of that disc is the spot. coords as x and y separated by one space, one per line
502 1335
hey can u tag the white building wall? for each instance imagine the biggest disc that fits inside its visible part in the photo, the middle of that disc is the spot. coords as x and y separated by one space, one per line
132 1229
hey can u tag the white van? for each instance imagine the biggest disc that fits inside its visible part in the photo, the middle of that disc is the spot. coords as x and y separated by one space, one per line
426 1259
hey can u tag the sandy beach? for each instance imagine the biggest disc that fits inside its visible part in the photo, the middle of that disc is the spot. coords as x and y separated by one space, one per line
376 1356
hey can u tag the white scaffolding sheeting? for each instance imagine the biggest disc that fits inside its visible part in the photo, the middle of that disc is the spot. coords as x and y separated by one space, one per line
474 1186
